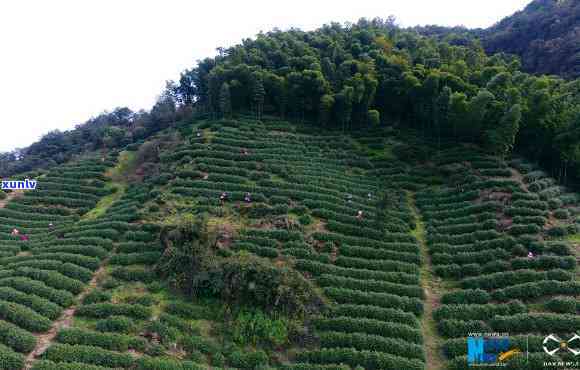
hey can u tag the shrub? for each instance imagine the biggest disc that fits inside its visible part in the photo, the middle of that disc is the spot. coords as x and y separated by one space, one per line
87 355
264 285
24 317
155 350
23 284
134 273
342 295
103 310
468 296
376 342
143 300
375 312
189 311
248 360
562 214
119 324
113 342
97 296
369 360
38 304
256 327
369 326
167 334
457 328
535 322
563 305
305 219
178 323
10 360
477 312
148 363
18 339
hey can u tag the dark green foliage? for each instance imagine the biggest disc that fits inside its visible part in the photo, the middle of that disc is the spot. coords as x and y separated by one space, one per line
248 360
24 317
104 310
10 360
87 355
49 365
114 342
116 324
97 296
244 278
367 359
18 339
256 327
148 363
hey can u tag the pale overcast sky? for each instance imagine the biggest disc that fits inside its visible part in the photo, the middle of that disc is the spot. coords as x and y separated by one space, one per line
62 62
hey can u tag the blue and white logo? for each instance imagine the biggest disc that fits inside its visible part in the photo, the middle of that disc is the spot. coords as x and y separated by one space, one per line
19 184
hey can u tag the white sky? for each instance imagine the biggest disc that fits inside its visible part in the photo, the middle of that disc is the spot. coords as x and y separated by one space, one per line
62 62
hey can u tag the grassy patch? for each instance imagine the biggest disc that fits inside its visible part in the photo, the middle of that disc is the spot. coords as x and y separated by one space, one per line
106 201
125 165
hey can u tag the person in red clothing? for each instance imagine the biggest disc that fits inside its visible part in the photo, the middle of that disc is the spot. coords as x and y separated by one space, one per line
24 238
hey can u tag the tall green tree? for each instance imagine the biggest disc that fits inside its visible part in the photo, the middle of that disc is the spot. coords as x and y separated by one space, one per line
500 141
258 94
225 100
442 108
326 106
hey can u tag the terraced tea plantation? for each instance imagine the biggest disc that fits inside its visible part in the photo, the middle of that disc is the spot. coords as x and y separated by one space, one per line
410 254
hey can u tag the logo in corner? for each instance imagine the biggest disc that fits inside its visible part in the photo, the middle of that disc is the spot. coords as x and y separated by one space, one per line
552 344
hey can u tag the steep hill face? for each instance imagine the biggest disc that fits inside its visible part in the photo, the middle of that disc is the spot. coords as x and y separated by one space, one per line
411 243
546 35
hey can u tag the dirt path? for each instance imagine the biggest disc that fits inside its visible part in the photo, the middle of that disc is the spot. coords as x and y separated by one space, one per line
14 194
432 287
44 340
518 177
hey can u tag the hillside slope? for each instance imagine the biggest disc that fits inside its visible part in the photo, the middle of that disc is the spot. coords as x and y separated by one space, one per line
546 35
439 249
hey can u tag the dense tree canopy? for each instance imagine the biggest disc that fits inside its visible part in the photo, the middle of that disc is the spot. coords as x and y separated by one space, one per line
373 72
352 76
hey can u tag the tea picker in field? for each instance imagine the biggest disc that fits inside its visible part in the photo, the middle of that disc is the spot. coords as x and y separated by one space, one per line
50 227
24 238
248 198
359 215
349 198
15 232
223 197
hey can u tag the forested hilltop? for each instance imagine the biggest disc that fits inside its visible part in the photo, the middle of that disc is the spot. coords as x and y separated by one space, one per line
351 76
546 35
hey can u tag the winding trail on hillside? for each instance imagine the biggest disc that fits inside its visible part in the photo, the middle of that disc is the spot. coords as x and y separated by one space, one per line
13 195
432 288
44 340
